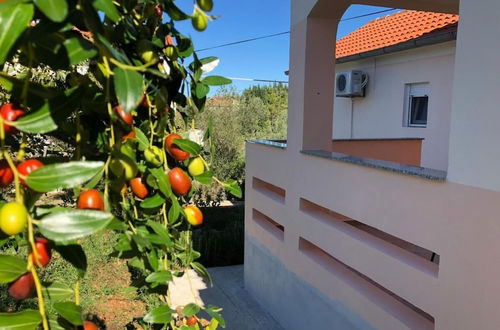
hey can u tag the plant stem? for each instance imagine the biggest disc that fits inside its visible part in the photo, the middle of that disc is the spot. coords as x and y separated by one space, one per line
32 269
41 302
78 138
77 292
140 68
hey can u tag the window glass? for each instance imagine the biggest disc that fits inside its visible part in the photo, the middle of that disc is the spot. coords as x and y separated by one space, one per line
418 110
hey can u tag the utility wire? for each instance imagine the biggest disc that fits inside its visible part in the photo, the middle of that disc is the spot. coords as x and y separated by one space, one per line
243 41
287 32
368 14
260 80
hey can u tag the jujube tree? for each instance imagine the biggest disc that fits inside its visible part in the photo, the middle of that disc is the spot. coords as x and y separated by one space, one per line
129 74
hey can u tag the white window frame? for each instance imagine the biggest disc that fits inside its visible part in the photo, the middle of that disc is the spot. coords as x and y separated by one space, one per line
420 89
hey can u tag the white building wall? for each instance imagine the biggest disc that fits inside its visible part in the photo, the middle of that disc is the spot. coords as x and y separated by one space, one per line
380 114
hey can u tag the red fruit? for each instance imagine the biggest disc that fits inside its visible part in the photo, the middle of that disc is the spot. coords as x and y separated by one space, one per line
26 167
130 135
90 199
173 149
87 325
158 10
6 174
138 187
169 41
193 215
44 254
23 287
179 181
126 117
191 320
10 112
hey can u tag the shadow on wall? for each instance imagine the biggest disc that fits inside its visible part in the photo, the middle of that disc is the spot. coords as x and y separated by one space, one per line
220 239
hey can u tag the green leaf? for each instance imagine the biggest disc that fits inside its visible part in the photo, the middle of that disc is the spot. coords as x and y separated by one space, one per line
72 224
108 8
128 88
212 311
117 53
159 315
201 90
162 181
161 277
79 50
202 271
216 80
25 320
141 242
159 240
158 228
142 139
123 244
190 310
63 175
58 291
56 10
185 46
174 211
205 178
175 13
152 258
152 202
70 312
209 59
43 120
55 324
233 187
187 145
95 180
13 21
11 268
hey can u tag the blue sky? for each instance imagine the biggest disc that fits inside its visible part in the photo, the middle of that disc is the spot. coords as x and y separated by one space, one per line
239 20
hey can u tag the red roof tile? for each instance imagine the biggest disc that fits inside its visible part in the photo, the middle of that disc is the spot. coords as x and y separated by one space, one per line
393 29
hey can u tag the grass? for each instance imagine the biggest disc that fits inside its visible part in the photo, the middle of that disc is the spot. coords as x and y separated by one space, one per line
105 294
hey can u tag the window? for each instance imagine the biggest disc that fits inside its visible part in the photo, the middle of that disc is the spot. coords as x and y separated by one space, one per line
416 105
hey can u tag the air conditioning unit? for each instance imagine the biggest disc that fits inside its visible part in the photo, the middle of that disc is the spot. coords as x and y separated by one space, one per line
350 83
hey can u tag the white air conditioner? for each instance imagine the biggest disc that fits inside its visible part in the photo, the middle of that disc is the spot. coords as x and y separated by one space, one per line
350 83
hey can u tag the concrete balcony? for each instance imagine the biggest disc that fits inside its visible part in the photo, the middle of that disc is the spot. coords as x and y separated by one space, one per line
363 243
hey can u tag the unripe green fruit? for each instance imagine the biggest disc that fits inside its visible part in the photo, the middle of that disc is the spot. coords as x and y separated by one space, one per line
154 156
206 5
199 21
147 51
171 52
123 167
196 167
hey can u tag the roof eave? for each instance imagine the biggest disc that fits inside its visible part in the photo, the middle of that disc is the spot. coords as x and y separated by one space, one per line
432 39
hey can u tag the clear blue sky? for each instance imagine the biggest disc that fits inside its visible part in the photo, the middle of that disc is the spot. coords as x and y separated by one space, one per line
239 20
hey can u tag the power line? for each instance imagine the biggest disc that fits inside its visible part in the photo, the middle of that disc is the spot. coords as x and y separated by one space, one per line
260 80
369 14
243 41
287 32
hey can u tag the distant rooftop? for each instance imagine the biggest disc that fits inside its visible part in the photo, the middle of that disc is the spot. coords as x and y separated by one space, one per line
393 29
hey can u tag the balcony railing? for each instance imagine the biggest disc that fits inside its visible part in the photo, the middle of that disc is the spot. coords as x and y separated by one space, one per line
361 230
